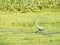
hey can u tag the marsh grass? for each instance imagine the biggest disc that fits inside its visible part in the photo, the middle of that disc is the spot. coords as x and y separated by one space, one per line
25 22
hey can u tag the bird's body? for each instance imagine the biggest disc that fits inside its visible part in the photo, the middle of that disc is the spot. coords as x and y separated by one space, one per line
40 28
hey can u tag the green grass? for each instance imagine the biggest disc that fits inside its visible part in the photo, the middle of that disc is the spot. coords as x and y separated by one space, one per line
28 5
26 21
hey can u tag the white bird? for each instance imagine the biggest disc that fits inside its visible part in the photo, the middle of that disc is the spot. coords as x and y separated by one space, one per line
40 28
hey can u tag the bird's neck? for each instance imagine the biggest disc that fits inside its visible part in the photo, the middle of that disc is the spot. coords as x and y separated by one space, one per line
37 23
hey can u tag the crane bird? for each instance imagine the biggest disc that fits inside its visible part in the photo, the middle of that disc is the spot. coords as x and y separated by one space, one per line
40 28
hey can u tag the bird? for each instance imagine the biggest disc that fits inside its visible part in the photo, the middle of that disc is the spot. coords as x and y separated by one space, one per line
40 28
